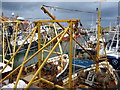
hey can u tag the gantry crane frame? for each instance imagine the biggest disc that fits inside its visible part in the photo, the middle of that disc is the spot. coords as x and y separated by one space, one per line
65 30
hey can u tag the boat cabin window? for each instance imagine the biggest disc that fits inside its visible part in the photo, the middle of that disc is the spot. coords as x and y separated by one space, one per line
46 26
81 54
114 44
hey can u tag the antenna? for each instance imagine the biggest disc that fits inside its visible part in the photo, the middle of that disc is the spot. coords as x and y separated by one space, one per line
100 3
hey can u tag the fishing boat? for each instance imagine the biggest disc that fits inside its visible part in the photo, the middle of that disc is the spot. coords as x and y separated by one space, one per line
11 34
113 49
54 68
88 78
66 37
21 38
83 31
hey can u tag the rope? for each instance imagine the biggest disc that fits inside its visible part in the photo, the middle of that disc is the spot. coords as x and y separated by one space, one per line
38 18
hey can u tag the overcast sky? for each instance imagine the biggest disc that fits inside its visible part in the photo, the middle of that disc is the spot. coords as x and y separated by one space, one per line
109 11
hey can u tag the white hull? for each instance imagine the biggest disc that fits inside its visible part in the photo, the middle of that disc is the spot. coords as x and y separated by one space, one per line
7 69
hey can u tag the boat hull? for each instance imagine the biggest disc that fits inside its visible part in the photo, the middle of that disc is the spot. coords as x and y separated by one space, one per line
114 61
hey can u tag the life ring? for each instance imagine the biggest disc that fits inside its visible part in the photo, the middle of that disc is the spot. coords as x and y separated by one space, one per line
114 61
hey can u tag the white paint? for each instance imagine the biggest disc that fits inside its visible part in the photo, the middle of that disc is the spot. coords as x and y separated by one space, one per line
7 69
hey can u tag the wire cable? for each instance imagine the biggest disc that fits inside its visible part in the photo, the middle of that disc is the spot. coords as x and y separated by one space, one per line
68 9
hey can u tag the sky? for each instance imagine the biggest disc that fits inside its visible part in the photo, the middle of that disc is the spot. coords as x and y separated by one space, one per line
58 0
109 10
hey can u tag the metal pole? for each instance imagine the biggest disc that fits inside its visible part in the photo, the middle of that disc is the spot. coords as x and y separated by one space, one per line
60 47
98 42
98 46
99 34
70 56
53 52
16 29
42 55
51 83
39 44
3 38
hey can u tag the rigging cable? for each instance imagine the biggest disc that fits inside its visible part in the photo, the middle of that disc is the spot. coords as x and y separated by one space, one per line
69 9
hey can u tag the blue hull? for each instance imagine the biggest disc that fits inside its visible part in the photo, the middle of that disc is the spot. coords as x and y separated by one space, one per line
82 63
115 62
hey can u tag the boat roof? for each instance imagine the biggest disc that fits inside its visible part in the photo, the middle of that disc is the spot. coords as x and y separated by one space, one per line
20 18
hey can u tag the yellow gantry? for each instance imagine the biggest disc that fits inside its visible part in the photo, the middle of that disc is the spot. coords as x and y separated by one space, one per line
38 52
4 53
68 30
